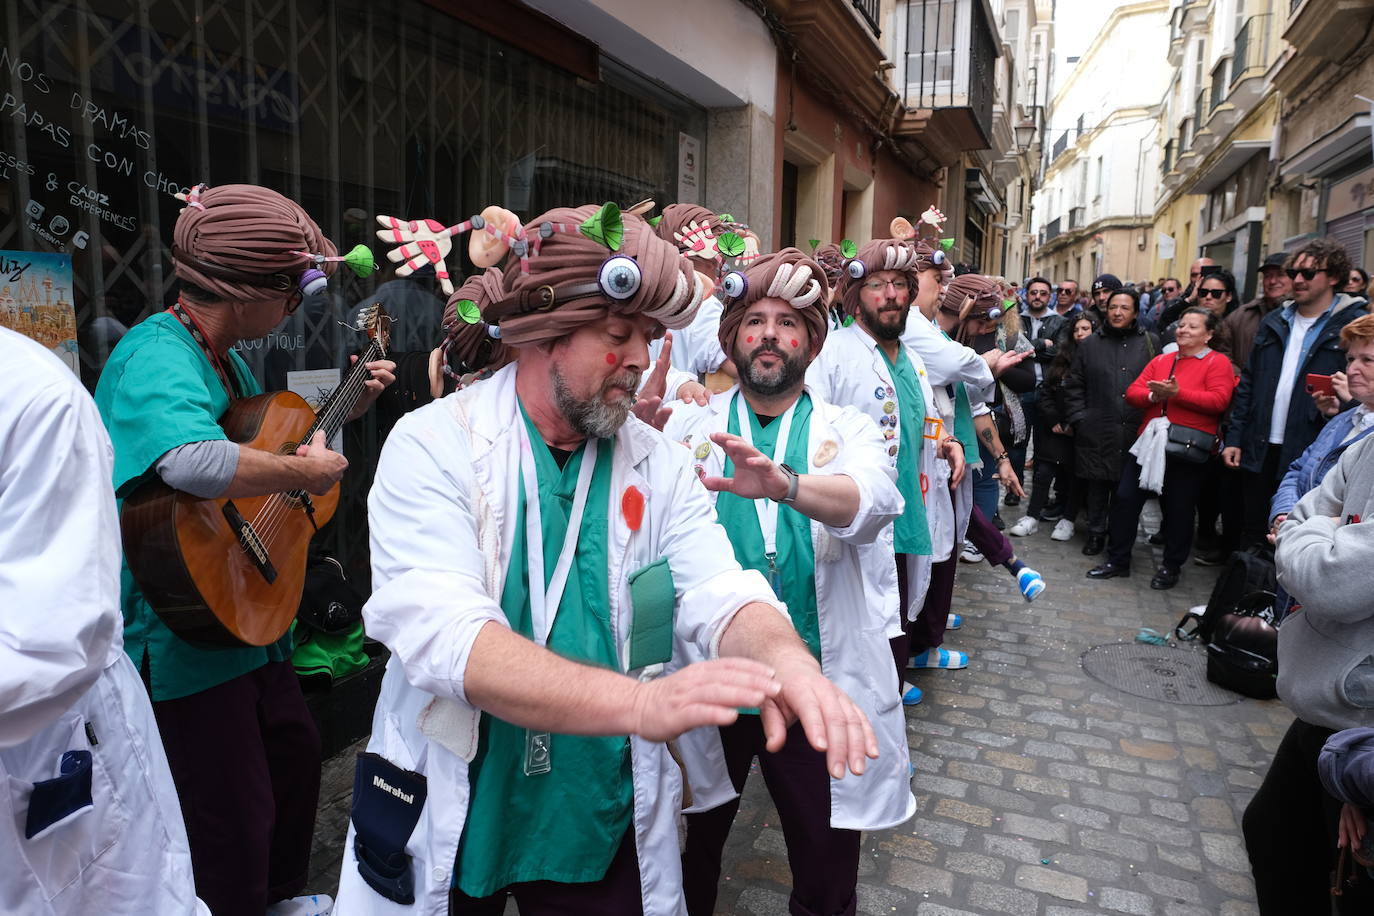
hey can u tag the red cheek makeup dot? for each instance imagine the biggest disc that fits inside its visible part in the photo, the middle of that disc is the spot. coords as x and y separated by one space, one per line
794 343
610 359
748 340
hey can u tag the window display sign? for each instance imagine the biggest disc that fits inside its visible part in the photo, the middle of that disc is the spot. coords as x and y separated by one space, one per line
36 301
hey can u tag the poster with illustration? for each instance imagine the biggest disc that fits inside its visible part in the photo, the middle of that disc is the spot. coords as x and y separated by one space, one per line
36 301
316 385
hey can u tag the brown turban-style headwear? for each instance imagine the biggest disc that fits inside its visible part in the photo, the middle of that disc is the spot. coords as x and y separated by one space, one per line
470 346
694 241
788 275
570 281
879 254
244 243
832 263
972 297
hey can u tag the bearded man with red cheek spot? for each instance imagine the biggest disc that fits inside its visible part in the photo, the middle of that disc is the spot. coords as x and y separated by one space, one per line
800 486
870 366
560 603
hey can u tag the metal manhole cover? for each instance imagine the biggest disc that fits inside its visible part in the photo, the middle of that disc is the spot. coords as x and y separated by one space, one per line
1156 673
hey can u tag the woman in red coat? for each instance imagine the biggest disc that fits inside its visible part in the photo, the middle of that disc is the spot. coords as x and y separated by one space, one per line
1194 385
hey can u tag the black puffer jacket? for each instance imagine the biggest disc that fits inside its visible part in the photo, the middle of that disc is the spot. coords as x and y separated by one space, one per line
1104 425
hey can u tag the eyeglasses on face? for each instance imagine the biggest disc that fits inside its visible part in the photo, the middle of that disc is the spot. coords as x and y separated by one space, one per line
1211 293
1067 291
878 286
1307 273
293 300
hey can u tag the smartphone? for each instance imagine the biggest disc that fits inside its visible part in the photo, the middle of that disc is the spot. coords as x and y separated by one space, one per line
1320 384
1209 269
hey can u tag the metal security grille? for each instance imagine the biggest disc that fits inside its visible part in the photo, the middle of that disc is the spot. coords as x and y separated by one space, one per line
352 108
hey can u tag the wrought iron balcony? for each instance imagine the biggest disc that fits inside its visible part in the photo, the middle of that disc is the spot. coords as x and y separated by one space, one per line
1218 92
1060 145
947 73
869 10
1251 56
1051 231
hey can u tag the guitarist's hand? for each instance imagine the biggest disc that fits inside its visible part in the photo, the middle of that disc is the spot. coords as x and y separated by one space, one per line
383 374
321 467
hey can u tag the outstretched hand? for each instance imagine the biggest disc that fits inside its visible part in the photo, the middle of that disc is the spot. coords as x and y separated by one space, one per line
705 693
832 722
756 476
999 361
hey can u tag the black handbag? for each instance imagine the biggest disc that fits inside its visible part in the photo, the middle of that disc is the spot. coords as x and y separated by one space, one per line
1185 442
1243 654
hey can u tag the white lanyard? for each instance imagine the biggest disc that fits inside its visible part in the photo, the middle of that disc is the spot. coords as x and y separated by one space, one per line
544 603
767 509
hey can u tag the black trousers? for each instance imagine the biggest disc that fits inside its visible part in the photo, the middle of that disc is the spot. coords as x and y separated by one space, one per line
245 758
1097 500
618 892
824 860
1060 475
1290 834
1182 483
1260 487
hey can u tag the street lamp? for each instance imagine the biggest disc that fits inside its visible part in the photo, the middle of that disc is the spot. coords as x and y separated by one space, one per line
1025 134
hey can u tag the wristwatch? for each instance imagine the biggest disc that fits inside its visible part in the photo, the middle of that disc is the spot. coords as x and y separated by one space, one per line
793 479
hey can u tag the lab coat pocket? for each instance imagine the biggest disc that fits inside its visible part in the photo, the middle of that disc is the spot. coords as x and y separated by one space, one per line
879 675
67 809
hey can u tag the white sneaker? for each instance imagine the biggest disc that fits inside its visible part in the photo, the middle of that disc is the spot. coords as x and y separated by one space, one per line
1063 530
1025 525
970 554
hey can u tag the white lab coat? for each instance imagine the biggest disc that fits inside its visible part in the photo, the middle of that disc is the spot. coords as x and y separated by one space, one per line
853 627
849 371
441 521
64 676
696 349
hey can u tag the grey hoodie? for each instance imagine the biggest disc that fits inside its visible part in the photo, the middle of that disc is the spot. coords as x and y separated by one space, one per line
1325 559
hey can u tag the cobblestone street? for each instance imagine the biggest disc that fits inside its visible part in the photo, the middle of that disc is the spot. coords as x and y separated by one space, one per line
1041 791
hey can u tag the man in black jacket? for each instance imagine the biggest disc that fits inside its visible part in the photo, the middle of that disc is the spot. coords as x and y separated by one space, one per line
1042 326
1273 417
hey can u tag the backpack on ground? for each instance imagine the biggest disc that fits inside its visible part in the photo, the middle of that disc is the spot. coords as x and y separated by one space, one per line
1246 573
1243 648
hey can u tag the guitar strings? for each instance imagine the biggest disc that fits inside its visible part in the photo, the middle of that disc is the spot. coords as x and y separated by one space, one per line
267 522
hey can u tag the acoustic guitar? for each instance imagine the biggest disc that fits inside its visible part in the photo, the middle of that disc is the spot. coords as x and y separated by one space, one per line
230 572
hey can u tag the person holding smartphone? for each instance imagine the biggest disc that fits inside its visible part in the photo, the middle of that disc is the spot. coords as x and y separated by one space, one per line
1273 418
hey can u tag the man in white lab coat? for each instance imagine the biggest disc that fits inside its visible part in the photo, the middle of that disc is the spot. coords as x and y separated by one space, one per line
543 570
801 484
93 824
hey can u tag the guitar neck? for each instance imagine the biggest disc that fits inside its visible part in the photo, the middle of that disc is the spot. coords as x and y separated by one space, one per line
330 418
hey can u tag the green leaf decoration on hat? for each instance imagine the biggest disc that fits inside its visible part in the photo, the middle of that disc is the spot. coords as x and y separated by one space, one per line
360 261
814 243
605 227
947 245
848 248
468 311
726 217
848 320
730 244
655 220
1008 304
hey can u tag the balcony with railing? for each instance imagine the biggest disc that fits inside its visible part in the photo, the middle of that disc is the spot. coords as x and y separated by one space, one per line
1051 231
1217 94
1250 62
1078 217
947 56
1059 146
868 9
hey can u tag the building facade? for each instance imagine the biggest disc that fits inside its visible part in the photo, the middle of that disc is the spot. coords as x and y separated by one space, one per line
1094 211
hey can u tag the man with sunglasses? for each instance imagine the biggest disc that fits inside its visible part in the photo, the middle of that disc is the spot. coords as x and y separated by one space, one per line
1273 417
242 746
1244 322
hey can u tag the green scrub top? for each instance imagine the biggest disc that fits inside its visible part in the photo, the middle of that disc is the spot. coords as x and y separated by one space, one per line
963 423
911 531
157 391
564 825
796 560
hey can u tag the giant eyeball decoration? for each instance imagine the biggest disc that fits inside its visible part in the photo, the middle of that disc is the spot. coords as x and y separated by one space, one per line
734 284
855 268
619 277
937 258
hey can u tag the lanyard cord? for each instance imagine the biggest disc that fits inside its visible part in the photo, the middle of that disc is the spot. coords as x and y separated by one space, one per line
766 509
189 322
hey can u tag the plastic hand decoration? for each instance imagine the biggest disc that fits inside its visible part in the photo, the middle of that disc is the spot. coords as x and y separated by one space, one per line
427 241
698 242
934 218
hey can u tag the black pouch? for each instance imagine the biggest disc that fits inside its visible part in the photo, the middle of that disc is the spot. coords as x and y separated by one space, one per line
387 802
58 800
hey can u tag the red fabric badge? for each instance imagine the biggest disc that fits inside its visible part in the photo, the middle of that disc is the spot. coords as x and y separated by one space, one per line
632 507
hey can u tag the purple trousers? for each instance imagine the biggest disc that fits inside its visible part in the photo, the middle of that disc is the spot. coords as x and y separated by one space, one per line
245 758
824 860
618 892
